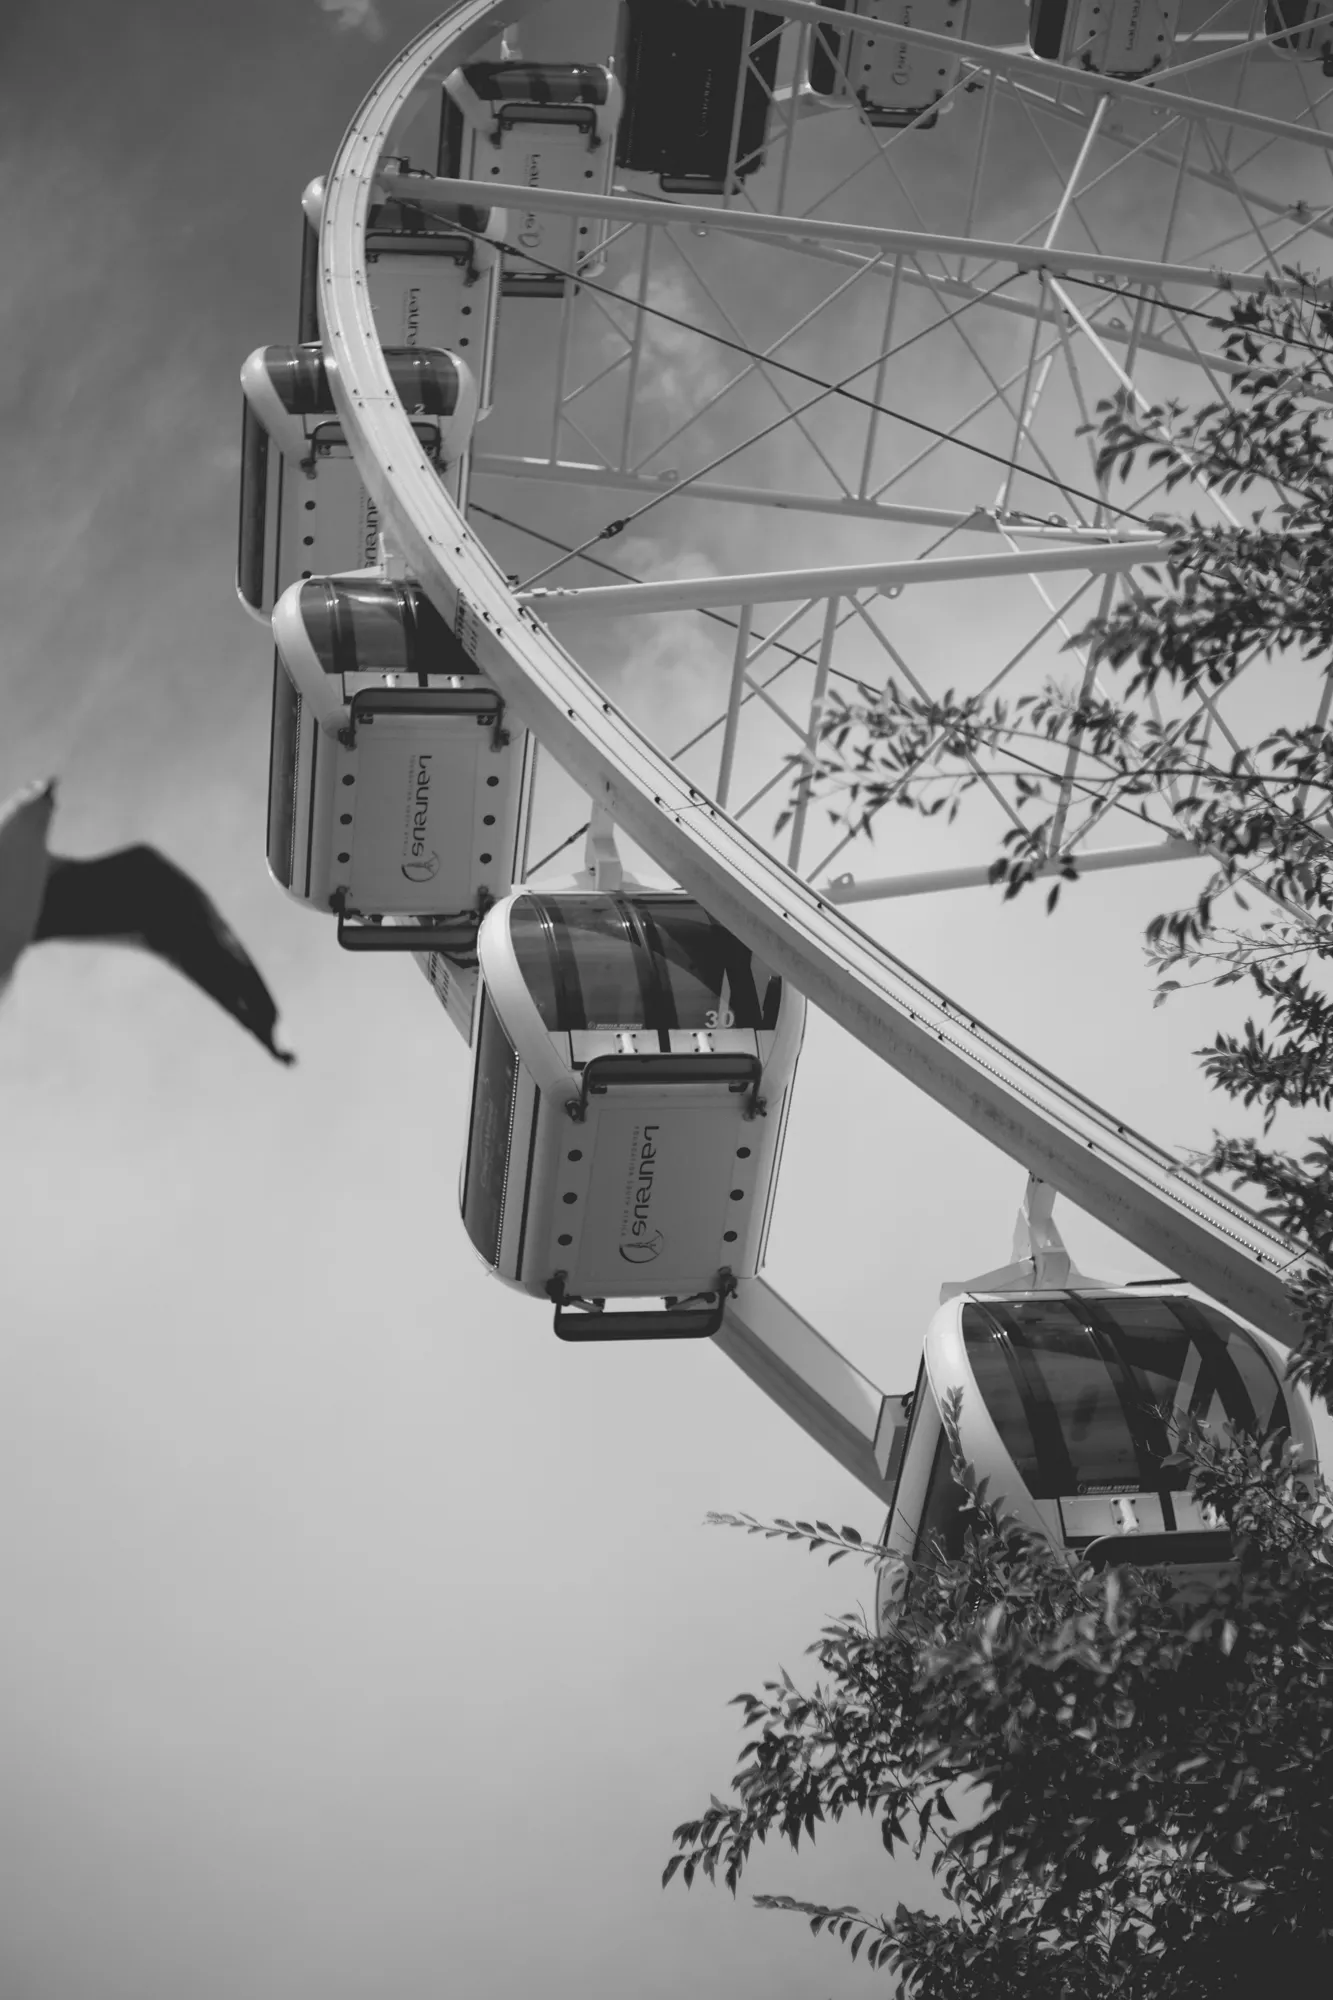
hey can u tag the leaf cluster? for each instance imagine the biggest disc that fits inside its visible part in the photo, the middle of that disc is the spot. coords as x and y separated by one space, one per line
1125 1786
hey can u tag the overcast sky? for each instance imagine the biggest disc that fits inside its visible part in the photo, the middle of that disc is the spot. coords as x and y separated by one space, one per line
361 1638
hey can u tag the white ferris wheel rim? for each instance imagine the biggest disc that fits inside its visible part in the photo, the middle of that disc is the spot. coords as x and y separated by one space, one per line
1135 1187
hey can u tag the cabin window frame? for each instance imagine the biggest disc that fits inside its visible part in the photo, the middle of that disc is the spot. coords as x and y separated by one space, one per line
284 741
492 1038
1145 1425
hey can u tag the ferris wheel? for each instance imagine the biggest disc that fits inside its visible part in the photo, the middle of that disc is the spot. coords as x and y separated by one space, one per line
850 280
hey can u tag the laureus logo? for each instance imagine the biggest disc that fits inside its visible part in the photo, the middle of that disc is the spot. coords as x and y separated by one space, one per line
370 535
422 864
646 1250
645 1244
530 235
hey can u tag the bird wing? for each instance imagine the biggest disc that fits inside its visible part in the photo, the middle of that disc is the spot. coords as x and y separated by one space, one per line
23 864
137 897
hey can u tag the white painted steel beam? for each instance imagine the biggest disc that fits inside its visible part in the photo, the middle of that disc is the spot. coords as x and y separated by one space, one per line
815 1385
428 192
944 287
564 472
845 888
1135 1187
698 593
984 519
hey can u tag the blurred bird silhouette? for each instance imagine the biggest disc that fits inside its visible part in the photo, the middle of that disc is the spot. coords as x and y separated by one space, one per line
134 896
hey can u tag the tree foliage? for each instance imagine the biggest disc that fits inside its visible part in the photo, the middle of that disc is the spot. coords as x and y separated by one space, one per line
1140 732
1125 1792
1125 1786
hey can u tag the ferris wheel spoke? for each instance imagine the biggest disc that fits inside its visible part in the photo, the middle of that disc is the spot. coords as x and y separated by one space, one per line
919 688
1047 225
1294 237
1055 841
1057 620
783 499
607 368
1056 614
1223 177
878 154
1207 486
1267 252
786 229
1074 369
756 366
751 370
1006 303
1313 104
1034 374
780 586
810 738
1204 364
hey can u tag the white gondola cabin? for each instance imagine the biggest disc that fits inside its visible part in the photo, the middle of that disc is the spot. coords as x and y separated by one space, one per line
633 1067
540 125
896 82
1120 38
1065 1400
433 274
304 511
397 787
698 93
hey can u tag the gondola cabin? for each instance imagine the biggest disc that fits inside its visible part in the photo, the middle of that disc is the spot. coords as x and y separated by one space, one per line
1302 30
1121 38
698 93
1064 1397
433 274
304 511
896 82
633 1066
540 125
398 787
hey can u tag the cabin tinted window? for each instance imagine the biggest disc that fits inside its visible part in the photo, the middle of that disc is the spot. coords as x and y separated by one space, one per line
711 978
1189 1359
578 959
1072 1411
1290 14
496 1078
537 83
635 962
683 68
308 321
283 742
1257 1375
1088 1402
1046 28
251 528
1089 1384
605 964
827 60
364 625
530 935
999 1389
941 1529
